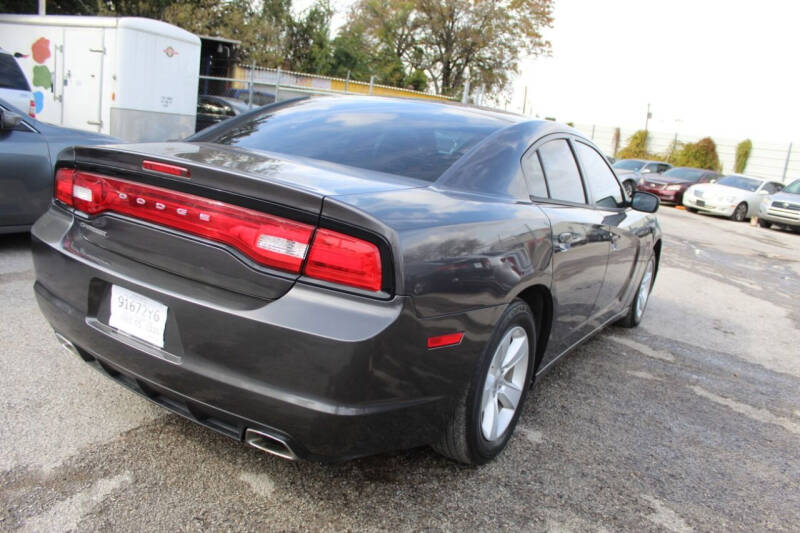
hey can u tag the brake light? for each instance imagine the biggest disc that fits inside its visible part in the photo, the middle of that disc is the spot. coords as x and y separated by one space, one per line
164 168
344 259
32 109
270 240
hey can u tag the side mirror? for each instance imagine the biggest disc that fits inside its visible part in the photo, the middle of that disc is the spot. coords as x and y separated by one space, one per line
646 171
644 201
764 192
8 120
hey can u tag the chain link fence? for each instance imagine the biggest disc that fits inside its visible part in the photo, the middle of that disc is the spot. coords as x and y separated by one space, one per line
773 161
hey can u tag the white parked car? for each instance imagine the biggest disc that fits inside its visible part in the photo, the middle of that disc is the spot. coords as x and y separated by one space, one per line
14 87
734 196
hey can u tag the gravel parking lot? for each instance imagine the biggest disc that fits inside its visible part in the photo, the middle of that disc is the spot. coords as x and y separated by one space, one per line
691 422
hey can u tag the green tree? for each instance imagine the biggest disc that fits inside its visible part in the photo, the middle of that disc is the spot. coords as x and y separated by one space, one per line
636 148
451 41
743 150
702 154
307 46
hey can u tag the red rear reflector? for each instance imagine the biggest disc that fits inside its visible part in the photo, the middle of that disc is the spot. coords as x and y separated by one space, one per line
164 168
270 240
32 109
440 341
344 259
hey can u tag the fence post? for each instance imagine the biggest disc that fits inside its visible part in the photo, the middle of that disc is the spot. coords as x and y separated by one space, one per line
346 82
371 83
786 165
278 84
251 87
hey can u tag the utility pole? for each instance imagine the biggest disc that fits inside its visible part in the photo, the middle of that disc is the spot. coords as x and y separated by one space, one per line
465 94
786 165
346 81
524 99
647 119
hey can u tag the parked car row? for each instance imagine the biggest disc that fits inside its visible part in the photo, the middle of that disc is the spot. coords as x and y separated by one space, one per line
735 196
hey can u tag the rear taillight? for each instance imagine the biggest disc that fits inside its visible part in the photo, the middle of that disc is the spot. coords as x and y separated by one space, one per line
340 258
32 109
269 240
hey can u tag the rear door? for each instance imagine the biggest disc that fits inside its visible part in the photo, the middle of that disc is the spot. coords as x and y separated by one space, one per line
618 222
580 244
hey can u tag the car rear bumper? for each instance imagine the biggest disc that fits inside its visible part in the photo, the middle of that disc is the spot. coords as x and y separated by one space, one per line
335 375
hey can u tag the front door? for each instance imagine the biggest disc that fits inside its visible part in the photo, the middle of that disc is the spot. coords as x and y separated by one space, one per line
619 226
580 242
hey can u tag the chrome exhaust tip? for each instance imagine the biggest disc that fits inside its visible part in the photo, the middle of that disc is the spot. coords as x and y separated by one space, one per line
269 443
67 345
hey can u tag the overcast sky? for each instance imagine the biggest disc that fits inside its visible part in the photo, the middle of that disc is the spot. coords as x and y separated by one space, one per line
726 68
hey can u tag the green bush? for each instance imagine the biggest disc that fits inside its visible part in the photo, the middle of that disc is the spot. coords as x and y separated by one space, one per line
702 154
743 150
636 147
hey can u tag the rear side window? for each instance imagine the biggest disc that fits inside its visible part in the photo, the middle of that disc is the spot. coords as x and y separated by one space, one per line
561 171
534 175
599 178
11 76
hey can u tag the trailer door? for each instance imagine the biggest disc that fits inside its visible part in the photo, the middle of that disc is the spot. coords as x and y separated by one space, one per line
84 55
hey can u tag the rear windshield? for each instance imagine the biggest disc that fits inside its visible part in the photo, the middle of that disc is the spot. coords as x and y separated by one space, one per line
688 174
11 76
417 140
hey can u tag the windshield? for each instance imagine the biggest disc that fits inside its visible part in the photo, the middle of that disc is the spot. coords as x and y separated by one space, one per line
11 77
793 187
688 174
629 164
740 182
417 140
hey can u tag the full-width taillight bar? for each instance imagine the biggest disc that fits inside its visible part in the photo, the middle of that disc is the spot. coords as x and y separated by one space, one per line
270 240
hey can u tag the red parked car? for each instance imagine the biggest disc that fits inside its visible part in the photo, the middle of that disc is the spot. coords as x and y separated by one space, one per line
670 186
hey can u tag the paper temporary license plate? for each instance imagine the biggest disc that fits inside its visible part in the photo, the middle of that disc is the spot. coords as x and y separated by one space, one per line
138 315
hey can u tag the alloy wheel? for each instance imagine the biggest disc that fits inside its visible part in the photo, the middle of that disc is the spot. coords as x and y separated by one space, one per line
504 384
644 290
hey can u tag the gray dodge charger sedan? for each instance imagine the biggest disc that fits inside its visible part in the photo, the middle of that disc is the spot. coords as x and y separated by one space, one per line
333 277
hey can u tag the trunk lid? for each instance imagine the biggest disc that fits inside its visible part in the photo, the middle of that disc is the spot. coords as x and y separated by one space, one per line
286 187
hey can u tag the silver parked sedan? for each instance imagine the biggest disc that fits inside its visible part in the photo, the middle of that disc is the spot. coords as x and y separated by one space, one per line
782 208
734 196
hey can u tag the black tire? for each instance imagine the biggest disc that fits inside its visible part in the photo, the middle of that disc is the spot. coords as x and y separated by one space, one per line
629 188
634 318
463 440
764 223
740 213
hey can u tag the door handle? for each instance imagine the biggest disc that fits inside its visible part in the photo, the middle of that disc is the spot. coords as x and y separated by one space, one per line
566 237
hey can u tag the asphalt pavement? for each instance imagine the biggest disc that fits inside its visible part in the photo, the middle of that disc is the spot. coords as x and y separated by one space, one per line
690 422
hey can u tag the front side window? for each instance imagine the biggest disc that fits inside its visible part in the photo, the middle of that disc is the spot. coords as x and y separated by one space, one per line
561 171
598 177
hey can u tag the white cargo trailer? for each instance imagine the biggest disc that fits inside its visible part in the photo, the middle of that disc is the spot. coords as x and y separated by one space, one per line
133 78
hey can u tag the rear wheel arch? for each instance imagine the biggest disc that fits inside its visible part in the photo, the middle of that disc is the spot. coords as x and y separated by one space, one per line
540 301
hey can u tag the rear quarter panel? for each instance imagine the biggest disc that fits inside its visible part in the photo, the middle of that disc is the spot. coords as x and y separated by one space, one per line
455 251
